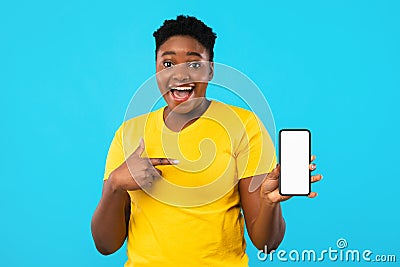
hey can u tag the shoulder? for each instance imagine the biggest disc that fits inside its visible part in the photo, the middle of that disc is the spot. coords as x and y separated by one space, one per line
243 114
139 122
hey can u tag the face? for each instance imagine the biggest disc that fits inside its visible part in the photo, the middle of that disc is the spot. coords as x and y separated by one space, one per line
183 71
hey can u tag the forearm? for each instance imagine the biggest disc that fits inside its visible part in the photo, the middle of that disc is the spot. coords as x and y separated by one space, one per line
109 221
268 228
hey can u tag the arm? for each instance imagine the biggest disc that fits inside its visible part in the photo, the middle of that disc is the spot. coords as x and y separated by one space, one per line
264 221
262 210
111 219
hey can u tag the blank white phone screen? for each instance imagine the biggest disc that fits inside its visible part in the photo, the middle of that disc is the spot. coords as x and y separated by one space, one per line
294 160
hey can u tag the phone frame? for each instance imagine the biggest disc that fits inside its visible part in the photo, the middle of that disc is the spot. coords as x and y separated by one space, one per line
309 160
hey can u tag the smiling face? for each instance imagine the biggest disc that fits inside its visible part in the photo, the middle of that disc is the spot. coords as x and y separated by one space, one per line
183 71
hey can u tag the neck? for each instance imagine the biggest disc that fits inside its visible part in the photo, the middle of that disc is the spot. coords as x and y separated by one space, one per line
178 121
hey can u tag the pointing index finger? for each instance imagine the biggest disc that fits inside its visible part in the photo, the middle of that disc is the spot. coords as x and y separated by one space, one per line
163 161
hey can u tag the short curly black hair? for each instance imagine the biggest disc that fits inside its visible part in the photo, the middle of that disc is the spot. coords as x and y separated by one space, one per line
190 26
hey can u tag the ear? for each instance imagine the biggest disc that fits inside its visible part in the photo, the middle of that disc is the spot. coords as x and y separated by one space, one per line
211 73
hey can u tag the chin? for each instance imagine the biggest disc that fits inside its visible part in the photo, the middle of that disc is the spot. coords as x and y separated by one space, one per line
185 107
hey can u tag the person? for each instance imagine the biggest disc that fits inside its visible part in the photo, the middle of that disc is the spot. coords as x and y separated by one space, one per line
176 179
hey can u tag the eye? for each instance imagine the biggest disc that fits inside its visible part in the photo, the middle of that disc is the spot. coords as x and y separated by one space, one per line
167 64
194 65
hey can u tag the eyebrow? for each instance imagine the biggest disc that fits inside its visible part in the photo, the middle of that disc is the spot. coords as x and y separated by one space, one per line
188 53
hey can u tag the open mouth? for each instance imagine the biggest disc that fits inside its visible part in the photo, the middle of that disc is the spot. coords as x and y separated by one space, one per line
182 92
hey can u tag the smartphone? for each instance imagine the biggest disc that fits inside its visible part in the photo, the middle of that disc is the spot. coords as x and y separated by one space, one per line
294 158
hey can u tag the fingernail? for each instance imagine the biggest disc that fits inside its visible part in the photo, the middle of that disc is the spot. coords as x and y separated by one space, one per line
313 166
175 161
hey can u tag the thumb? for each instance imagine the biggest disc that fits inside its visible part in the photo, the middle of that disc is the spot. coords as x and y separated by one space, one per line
139 150
274 175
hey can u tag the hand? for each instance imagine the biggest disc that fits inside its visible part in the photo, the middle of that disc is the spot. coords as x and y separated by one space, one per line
270 186
137 172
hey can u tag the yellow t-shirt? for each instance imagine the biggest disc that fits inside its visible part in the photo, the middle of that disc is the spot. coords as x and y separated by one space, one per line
191 216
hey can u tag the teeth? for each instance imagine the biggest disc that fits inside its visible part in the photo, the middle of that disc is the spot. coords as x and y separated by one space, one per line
182 88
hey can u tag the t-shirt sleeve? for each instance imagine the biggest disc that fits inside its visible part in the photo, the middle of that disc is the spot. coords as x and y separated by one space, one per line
115 156
256 152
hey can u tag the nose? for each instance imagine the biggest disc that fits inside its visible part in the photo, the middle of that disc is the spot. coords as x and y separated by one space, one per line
181 74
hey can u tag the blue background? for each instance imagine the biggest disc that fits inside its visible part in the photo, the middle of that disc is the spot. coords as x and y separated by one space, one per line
68 70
